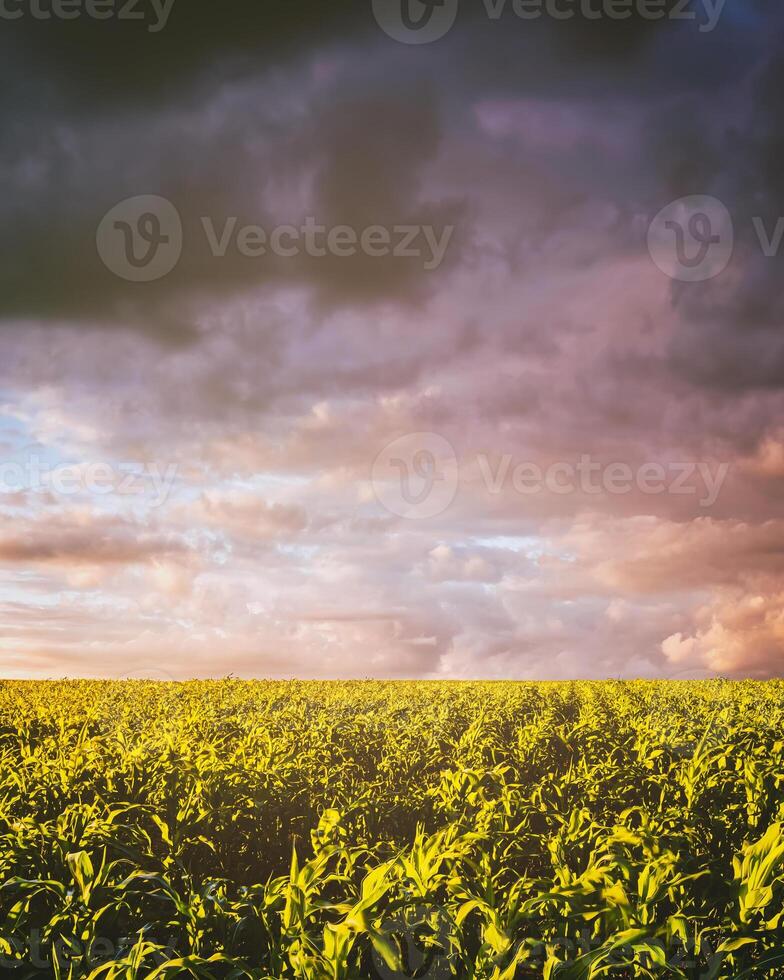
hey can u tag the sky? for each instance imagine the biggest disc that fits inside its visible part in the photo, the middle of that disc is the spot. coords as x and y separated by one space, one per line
379 340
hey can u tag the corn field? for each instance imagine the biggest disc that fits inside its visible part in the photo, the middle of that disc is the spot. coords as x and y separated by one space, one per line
335 831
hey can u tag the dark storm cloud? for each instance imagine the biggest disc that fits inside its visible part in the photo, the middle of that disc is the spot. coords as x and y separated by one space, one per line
67 177
730 335
113 111
105 65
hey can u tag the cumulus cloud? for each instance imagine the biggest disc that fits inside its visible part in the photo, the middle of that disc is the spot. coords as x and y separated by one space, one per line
738 635
81 539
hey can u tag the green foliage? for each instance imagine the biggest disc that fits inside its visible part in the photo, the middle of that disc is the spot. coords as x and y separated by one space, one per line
368 831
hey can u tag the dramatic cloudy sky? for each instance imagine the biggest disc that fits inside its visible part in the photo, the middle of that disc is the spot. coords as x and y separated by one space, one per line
324 465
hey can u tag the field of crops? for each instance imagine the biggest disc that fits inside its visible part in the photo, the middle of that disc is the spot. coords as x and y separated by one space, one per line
330 831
